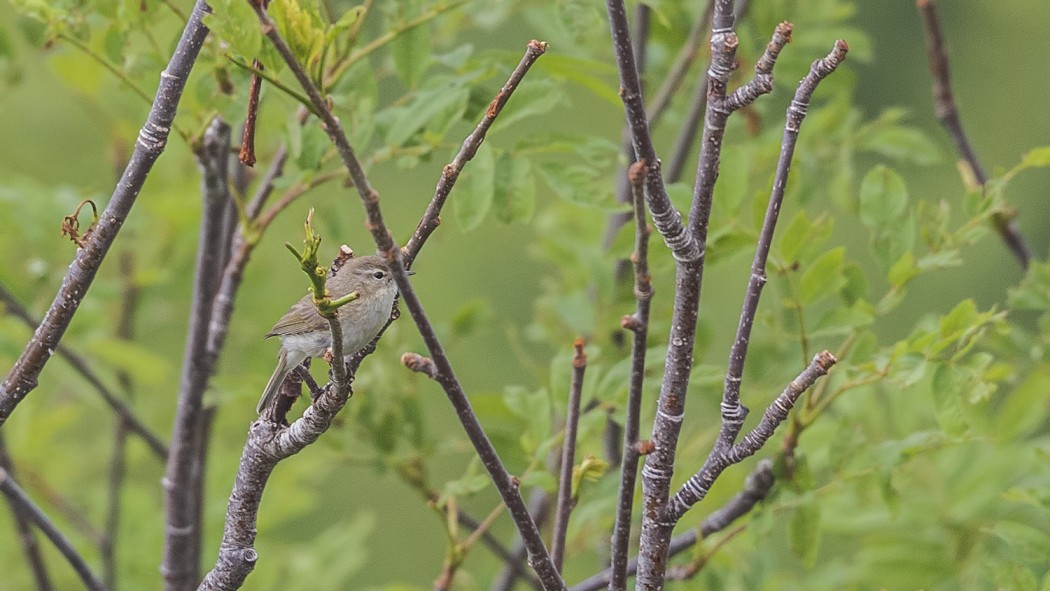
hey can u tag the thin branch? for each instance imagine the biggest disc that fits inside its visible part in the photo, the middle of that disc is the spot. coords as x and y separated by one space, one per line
23 377
734 413
28 509
638 323
182 485
432 217
688 571
568 457
948 115
506 485
697 487
539 508
25 533
666 218
756 486
80 364
688 132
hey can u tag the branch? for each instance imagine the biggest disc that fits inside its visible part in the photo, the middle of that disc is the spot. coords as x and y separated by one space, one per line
506 485
638 323
135 424
734 413
666 218
25 534
23 377
432 217
181 487
757 485
948 115
28 509
659 465
568 457
697 487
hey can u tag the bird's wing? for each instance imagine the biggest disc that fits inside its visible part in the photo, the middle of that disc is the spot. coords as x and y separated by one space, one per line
300 318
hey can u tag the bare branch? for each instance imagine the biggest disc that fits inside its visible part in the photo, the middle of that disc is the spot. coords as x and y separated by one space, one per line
697 487
181 500
639 325
734 413
948 114
28 509
432 217
568 457
22 378
757 485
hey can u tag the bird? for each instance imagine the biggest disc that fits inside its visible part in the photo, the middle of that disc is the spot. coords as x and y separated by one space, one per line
305 333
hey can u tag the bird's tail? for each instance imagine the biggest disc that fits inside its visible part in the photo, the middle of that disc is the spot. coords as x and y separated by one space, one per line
275 382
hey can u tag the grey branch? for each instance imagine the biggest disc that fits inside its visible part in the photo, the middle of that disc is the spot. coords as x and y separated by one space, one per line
565 501
152 139
25 532
182 480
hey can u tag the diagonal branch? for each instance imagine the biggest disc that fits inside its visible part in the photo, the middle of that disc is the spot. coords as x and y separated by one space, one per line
152 139
948 114
30 511
80 364
25 533
432 217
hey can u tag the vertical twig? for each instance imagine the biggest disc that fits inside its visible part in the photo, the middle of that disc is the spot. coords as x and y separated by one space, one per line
25 533
22 378
28 509
247 153
568 457
183 478
638 323
948 115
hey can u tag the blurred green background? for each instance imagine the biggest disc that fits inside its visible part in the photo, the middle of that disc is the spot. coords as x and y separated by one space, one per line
340 506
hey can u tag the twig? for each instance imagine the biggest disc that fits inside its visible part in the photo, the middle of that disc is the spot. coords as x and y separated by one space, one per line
948 115
756 486
539 508
734 413
135 424
666 218
568 457
247 153
688 571
638 324
25 533
28 509
181 481
22 378
432 217
696 488
506 485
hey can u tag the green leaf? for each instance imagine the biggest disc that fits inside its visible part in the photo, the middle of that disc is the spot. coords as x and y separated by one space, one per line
949 386
474 315
824 277
235 22
534 98
472 205
515 189
411 48
343 24
299 21
732 184
434 108
903 270
883 198
590 74
902 143
804 532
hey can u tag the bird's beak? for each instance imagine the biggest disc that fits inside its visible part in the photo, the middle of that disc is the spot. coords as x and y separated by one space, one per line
409 272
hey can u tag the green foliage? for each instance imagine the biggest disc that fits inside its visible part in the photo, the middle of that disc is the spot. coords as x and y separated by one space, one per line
921 457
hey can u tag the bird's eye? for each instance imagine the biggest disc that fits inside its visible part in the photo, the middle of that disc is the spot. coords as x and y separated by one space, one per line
379 274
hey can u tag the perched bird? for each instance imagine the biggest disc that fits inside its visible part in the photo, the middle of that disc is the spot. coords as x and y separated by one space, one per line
305 333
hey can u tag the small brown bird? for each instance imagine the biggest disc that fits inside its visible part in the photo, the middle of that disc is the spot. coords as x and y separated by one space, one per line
305 333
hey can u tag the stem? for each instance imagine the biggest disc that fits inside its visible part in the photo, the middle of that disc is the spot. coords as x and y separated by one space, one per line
25 533
152 139
565 501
